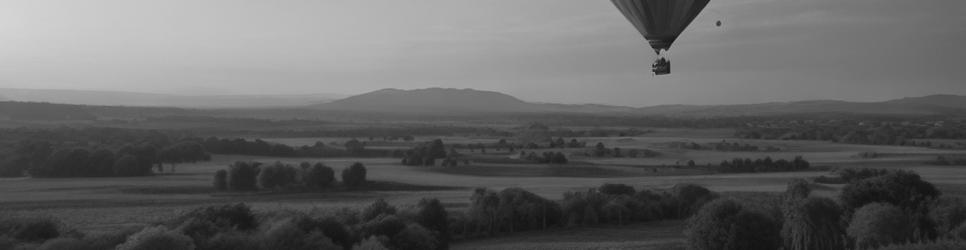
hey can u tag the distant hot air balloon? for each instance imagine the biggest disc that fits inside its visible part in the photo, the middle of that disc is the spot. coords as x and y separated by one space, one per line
661 22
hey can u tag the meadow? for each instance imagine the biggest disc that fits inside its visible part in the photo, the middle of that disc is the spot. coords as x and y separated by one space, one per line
101 204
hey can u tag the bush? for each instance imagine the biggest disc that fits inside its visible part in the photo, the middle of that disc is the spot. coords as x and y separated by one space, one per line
30 229
726 225
879 224
319 176
242 175
157 238
616 189
65 244
221 180
355 175
415 237
813 223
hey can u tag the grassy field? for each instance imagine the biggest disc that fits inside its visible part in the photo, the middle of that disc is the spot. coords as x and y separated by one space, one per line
95 204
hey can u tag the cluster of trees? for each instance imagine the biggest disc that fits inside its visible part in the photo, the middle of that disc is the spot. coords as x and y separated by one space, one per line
426 154
726 146
516 210
873 211
545 157
253 176
766 164
857 132
379 226
239 146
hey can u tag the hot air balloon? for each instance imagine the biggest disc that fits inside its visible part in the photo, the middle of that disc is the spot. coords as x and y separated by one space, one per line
661 22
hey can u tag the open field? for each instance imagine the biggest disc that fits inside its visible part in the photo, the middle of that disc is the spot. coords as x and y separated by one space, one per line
95 204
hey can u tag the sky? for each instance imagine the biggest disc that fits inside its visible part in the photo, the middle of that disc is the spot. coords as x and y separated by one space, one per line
564 51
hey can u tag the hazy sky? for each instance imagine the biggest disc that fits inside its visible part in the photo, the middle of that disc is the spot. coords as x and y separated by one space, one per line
572 51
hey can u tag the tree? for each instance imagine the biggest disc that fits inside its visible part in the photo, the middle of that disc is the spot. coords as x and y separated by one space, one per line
102 163
355 146
432 215
415 237
879 224
377 208
813 223
319 176
355 175
221 180
726 225
242 176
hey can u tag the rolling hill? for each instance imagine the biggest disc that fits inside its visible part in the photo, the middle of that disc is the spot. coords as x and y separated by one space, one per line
453 100
469 101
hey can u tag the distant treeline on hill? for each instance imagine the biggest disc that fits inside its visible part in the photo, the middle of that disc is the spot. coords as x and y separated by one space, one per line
43 159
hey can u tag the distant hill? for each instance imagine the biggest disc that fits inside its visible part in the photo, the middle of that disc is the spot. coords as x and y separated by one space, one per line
470 100
452 100
115 98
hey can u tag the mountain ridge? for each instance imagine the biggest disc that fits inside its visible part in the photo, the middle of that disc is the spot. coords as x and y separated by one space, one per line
137 99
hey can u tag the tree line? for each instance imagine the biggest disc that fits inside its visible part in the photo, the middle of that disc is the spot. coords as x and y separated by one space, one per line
240 146
761 165
254 176
41 159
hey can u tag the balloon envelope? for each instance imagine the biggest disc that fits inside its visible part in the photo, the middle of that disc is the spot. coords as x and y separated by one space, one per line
660 21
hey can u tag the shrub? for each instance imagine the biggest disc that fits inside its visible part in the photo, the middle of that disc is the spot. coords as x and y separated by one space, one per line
415 237
616 189
813 223
879 224
371 243
726 224
242 175
30 229
65 244
355 175
221 180
376 209
157 238
319 176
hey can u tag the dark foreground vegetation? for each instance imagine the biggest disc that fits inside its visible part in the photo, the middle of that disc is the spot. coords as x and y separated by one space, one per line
877 209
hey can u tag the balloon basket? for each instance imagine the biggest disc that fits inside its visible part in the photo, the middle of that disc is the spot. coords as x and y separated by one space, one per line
661 66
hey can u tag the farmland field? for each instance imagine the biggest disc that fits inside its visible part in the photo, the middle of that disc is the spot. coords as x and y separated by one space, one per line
98 204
